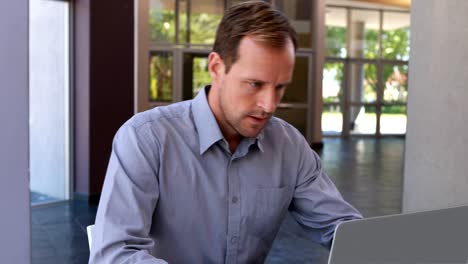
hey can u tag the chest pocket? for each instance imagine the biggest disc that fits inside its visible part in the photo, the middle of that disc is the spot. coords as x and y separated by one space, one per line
271 205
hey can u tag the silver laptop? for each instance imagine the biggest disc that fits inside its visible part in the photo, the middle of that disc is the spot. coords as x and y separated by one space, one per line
439 236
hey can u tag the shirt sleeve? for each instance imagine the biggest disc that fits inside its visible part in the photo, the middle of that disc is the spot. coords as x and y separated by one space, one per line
128 199
317 204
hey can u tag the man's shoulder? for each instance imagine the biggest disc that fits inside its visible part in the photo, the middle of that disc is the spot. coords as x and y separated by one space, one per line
287 139
161 115
282 134
160 121
279 127
156 125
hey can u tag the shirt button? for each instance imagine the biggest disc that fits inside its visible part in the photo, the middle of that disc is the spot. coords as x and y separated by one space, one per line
234 240
235 199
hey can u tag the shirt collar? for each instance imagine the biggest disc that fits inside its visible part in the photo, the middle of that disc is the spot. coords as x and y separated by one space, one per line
205 122
208 129
259 139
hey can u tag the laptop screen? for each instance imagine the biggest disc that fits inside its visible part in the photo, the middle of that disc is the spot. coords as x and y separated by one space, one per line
439 236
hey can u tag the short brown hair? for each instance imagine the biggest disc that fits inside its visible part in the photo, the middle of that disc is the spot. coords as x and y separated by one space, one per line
254 18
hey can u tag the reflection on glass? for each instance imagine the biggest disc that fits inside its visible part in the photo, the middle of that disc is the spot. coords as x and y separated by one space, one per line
365 121
201 76
332 120
49 99
204 20
162 20
364 34
296 92
335 42
299 13
370 83
363 83
160 76
396 83
296 117
332 82
196 75
183 21
395 36
393 119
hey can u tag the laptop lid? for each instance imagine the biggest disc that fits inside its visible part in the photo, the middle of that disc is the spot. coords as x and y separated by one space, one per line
439 236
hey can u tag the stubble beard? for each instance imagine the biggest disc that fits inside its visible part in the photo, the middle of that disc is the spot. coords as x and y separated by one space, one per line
235 122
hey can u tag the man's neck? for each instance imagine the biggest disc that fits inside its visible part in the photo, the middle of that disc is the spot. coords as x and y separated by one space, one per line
233 142
229 133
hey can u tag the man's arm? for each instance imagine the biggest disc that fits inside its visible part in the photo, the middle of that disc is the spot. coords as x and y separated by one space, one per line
317 203
129 197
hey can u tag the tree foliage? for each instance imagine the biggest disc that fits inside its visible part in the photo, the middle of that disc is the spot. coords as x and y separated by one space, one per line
395 46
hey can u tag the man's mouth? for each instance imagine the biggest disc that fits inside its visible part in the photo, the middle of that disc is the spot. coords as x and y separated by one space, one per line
257 119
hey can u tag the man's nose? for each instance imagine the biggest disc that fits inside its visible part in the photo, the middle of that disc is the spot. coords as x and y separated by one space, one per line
268 100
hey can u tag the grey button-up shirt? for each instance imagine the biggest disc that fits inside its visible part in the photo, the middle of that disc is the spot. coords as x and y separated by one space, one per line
174 192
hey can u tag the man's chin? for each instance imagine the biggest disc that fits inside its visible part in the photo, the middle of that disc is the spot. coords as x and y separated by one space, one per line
251 133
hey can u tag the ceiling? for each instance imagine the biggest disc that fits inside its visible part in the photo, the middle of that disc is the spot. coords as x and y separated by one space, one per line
379 4
391 20
397 3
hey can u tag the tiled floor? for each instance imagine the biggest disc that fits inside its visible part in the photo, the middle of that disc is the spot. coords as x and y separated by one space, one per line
59 233
39 198
368 173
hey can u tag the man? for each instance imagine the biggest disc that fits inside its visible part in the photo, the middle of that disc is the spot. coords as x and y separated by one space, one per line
210 180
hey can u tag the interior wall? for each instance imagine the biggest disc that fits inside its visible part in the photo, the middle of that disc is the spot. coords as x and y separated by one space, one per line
104 86
15 222
48 98
436 167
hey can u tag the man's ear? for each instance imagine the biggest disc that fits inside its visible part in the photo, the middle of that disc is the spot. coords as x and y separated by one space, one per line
215 66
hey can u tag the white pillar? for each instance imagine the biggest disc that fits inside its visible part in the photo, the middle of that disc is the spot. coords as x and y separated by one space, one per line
356 38
436 158
15 220
315 96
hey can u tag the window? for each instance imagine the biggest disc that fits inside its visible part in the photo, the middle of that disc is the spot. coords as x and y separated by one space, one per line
366 71
332 96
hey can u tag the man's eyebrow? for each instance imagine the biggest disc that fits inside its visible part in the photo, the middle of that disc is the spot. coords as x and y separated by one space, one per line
255 80
263 82
284 84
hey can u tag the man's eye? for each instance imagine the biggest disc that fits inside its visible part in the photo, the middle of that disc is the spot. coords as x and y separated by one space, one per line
254 84
280 87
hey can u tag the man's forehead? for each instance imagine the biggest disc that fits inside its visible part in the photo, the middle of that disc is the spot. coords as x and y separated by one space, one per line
252 53
250 41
